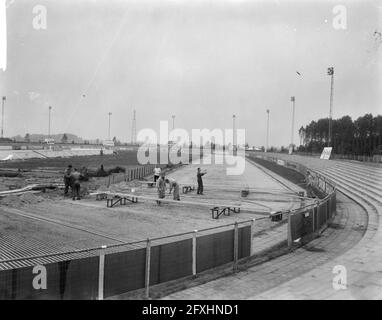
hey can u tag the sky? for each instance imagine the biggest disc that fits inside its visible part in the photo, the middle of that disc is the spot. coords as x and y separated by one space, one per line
202 61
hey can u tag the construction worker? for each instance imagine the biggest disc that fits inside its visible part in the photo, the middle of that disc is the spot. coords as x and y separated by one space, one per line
161 187
67 181
84 173
199 176
173 185
157 172
76 185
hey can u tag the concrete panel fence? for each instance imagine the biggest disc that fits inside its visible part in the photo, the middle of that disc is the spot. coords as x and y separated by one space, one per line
109 271
308 222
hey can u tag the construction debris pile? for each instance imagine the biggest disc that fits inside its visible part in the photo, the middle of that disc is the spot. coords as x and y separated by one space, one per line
27 198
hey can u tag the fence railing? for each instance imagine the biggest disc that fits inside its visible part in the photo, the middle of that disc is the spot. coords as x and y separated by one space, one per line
131 174
106 271
307 222
140 172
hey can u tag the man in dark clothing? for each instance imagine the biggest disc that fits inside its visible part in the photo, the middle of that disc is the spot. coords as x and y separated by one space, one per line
67 175
76 176
199 175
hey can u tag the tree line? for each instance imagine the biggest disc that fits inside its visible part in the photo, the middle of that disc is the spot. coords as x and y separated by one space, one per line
360 137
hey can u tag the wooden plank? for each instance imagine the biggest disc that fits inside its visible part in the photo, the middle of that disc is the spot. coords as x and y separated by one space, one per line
27 188
210 204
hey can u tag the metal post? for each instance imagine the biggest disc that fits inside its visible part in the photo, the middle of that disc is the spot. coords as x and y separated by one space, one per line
134 129
101 275
2 116
194 252
290 242
331 73
173 122
147 277
50 109
266 147
235 247
252 232
234 132
293 99
109 125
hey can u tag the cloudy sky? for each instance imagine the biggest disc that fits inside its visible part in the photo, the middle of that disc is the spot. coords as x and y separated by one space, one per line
202 61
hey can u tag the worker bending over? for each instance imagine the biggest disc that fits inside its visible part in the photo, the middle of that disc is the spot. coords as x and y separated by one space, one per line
161 188
173 185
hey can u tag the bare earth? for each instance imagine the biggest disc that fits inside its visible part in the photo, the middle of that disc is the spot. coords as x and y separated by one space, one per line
89 223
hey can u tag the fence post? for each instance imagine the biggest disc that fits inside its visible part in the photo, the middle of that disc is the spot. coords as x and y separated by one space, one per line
252 232
235 247
101 274
147 277
290 242
194 253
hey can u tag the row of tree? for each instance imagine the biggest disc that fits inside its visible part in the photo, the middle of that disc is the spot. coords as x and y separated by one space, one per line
362 136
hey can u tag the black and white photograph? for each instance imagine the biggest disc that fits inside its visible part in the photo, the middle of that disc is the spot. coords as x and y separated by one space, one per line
190 154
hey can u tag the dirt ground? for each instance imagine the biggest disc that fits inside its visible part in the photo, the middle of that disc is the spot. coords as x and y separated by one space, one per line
66 224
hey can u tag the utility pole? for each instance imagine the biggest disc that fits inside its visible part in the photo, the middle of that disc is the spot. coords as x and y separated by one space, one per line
266 147
234 132
109 125
134 129
173 122
50 110
331 74
2 116
293 110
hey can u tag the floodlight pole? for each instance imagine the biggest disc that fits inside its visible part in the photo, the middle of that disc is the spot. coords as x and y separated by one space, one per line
109 125
50 110
2 116
234 132
266 147
293 99
331 74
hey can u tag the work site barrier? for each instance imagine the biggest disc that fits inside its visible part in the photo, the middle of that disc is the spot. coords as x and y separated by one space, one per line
132 173
107 271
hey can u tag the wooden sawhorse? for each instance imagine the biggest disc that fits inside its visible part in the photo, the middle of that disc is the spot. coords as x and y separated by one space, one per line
218 211
121 200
